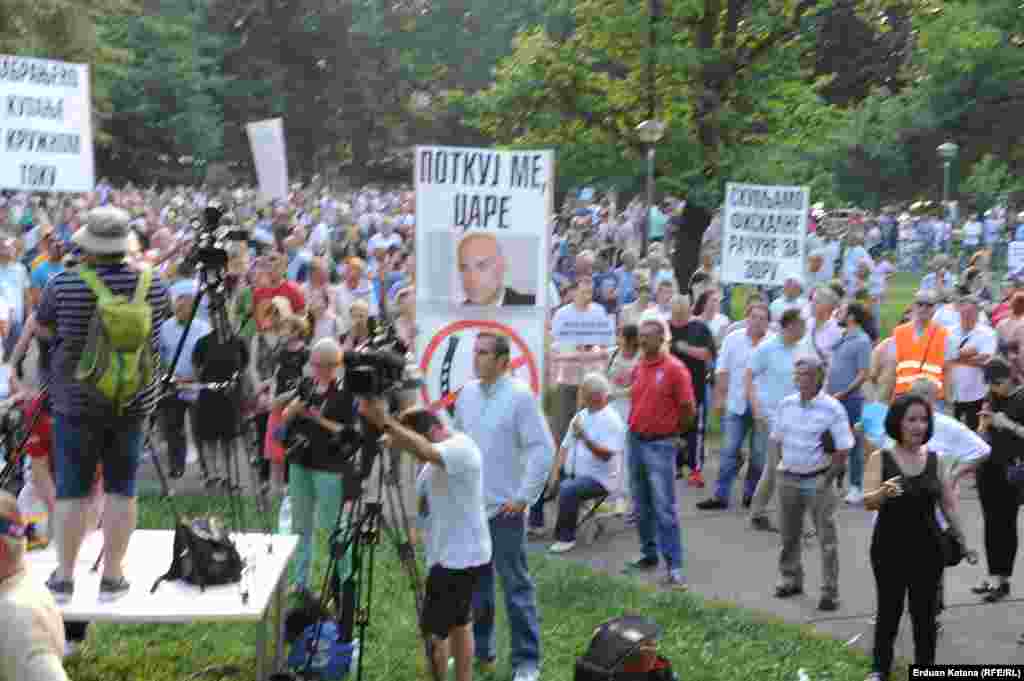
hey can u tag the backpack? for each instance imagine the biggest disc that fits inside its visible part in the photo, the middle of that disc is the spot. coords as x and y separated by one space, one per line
117 362
616 646
204 555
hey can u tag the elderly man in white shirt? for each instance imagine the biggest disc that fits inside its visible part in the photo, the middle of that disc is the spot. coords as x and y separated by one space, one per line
808 476
976 344
590 456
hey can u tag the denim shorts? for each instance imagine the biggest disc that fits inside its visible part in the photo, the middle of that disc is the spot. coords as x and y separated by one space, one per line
79 444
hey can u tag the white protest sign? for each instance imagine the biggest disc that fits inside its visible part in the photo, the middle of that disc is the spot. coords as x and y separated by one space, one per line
764 233
266 139
1015 257
483 221
593 327
45 126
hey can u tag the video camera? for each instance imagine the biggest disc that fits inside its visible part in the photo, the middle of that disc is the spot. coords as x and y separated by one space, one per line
213 233
376 373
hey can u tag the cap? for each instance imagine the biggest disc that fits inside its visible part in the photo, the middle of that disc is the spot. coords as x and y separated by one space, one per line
927 296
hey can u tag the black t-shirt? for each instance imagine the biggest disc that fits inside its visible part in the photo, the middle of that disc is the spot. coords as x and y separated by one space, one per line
217 413
695 333
289 368
1007 446
334 404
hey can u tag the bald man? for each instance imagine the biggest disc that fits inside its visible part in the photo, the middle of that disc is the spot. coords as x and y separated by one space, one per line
482 267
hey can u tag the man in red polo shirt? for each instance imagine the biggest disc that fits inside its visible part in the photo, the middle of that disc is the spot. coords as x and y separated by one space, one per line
662 405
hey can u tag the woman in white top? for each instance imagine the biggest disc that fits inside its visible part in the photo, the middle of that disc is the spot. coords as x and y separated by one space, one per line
620 373
707 309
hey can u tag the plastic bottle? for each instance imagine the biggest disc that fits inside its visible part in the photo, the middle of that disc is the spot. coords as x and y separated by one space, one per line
284 517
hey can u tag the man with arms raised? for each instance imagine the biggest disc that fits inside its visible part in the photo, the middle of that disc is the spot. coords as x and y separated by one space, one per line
458 541
482 268
505 421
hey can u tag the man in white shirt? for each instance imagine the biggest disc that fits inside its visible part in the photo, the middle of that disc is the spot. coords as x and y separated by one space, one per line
590 455
732 404
791 298
33 632
976 344
823 330
458 542
971 239
506 422
808 475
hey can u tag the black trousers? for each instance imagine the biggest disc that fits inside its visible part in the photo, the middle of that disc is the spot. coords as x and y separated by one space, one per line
915 582
967 412
999 506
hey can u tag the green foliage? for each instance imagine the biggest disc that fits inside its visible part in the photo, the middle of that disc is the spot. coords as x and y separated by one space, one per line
990 181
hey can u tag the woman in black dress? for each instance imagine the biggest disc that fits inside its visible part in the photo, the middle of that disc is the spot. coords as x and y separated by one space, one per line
905 486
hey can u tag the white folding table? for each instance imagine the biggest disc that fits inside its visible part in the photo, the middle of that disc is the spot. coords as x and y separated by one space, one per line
175 602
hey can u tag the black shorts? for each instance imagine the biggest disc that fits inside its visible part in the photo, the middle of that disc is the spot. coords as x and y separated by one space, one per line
449 598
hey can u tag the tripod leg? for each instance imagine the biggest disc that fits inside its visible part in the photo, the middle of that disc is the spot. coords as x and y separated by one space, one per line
150 445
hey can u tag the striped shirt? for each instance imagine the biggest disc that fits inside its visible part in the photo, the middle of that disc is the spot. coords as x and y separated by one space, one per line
67 305
799 427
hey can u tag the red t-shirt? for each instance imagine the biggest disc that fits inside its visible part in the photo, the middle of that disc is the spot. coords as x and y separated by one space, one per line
660 388
1001 312
288 289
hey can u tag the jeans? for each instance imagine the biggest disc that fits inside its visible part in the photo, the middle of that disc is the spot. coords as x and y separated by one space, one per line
652 473
695 440
571 494
80 444
316 502
854 405
172 420
565 410
735 427
508 537
13 334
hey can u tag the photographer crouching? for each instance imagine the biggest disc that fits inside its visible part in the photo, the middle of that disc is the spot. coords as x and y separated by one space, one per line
317 464
458 541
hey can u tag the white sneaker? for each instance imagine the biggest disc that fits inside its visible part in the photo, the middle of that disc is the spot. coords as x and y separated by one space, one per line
524 674
562 546
855 496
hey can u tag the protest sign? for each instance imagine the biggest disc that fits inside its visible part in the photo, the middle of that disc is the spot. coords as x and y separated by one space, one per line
266 139
593 327
483 221
1015 257
45 126
764 232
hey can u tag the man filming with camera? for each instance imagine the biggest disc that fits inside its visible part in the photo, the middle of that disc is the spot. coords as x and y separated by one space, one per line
458 538
321 409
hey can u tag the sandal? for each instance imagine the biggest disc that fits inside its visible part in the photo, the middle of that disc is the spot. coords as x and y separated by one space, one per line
983 587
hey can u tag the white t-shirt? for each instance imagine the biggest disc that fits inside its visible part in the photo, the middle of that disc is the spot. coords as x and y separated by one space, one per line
737 349
969 382
604 428
458 536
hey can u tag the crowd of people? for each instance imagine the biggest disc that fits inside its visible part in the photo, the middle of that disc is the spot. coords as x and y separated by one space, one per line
809 394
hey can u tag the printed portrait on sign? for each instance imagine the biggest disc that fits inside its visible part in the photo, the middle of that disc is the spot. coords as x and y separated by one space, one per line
485 270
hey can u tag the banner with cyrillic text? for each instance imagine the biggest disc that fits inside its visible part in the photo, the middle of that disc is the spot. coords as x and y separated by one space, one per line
764 233
483 221
45 126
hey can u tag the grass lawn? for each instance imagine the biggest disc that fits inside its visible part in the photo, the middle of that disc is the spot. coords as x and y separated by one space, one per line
705 641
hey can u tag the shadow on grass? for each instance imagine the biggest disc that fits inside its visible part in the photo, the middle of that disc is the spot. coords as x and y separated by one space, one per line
705 640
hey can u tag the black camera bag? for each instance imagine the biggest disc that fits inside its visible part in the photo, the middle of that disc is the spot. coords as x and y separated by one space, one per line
204 555
614 642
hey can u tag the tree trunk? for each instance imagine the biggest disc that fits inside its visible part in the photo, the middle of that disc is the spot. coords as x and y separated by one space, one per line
689 234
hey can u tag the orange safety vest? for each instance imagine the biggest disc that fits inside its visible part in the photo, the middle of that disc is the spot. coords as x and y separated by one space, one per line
922 357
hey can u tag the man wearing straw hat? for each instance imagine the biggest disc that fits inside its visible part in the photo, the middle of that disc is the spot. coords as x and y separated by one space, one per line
81 440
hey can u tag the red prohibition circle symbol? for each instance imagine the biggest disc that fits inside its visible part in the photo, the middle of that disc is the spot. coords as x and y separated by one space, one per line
525 357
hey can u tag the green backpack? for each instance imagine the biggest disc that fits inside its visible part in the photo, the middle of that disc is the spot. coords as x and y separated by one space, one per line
117 362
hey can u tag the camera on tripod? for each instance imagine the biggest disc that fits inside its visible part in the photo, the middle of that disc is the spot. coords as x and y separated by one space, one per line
376 373
213 233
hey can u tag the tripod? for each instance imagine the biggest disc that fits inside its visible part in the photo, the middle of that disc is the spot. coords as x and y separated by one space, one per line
360 535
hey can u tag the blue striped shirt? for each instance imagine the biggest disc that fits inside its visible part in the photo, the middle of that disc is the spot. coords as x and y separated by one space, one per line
67 305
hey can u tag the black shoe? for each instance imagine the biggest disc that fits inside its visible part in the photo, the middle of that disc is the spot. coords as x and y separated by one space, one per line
642 563
712 504
747 501
62 589
828 604
762 524
982 588
998 593
112 589
177 473
788 590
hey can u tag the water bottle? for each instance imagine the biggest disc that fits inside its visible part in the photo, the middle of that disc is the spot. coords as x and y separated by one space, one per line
284 517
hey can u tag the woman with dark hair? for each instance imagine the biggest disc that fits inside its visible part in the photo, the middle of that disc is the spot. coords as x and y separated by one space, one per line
1001 419
620 373
905 484
708 309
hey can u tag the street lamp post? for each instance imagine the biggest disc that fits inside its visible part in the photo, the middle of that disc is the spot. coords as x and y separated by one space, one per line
947 152
650 133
